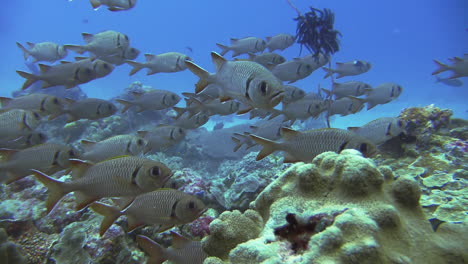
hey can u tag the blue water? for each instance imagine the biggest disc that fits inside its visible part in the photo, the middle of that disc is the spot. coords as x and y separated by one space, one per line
400 39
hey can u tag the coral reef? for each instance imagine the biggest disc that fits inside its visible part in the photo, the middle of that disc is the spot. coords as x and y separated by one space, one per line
359 213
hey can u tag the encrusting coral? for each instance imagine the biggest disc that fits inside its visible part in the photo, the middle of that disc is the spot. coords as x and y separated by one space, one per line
341 208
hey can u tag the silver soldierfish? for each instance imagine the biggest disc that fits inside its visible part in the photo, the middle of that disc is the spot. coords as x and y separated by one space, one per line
380 130
164 207
301 109
118 177
25 141
191 122
50 157
151 100
246 81
352 88
43 51
119 59
305 145
114 5
293 70
449 82
165 62
45 104
17 122
106 43
182 250
114 146
344 106
267 59
383 94
348 68
89 108
459 67
243 46
292 93
279 42
162 137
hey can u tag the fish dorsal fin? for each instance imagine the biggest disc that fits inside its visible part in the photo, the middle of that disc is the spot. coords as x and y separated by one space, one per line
218 60
234 40
79 58
142 133
87 144
64 62
30 44
457 59
289 133
87 37
44 68
4 100
190 95
79 167
268 39
137 94
7 152
353 129
69 101
178 241
254 128
149 57
116 157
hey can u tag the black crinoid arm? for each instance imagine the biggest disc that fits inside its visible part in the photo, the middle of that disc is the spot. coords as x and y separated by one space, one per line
315 31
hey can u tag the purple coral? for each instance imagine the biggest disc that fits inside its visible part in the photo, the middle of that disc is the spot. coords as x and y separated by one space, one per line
201 226
193 184
458 145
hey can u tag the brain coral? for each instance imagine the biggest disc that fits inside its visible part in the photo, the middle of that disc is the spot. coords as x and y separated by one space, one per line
340 208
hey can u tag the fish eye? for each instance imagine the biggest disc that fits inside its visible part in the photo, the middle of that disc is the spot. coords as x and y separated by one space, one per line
181 131
155 171
263 88
358 63
188 58
173 97
140 142
191 205
106 66
71 153
363 148
109 107
88 71
55 101
41 136
126 37
399 88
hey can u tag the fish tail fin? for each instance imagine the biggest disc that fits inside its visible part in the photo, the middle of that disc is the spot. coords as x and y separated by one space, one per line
137 66
224 48
26 53
329 72
441 67
237 142
370 105
55 187
155 251
76 48
110 213
205 77
269 146
125 103
95 3
30 79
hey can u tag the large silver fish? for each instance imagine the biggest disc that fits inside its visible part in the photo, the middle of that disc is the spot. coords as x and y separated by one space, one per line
164 207
43 51
348 68
45 104
118 177
114 146
243 46
459 67
305 145
352 88
17 122
165 62
106 43
247 81
382 94
151 100
280 42
380 130
114 5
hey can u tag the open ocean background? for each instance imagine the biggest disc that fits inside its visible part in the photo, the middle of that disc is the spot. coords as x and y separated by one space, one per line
400 39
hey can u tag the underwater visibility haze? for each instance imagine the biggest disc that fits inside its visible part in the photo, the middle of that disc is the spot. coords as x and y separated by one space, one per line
216 132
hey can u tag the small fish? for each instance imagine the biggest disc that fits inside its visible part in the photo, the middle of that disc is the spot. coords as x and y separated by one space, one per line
266 129
25 141
280 42
306 145
89 108
459 67
382 94
151 100
209 107
182 251
114 5
301 109
243 46
267 59
449 82
44 51
114 146
209 93
164 207
292 93
17 122
316 61
106 43
100 67
352 88
246 81
45 104
187 122
293 70
50 157
117 177
119 59
348 68
380 130
344 106
165 62
260 113
162 137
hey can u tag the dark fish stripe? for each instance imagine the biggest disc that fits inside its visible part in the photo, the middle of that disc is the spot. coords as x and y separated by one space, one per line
77 71
247 86
389 127
56 156
25 123
42 108
343 146
98 109
130 3
57 52
173 210
127 150
393 92
299 69
164 99
118 40
171 135
134 174
177 63
256 44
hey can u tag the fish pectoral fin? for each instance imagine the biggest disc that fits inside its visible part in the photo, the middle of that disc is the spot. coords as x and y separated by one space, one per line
178 241
83 200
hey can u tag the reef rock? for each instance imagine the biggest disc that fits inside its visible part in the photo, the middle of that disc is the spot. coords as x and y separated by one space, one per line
341 208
